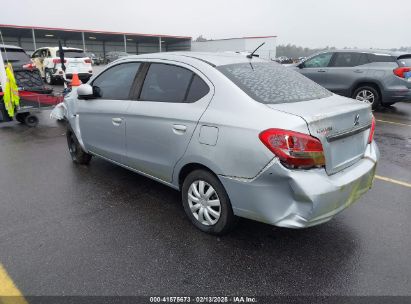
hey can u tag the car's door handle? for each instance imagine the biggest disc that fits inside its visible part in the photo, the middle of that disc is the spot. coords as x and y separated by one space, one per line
321 71
179 129
358 71
117 121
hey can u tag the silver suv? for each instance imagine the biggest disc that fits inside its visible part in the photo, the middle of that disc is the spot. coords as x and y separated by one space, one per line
376 77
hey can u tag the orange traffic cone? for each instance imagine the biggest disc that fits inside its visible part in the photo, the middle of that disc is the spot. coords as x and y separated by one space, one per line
75 81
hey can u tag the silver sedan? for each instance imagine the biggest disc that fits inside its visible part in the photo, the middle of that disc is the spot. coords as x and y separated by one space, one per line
238 136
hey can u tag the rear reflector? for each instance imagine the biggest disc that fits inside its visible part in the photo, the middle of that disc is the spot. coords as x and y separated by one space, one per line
372 130
400 72
294 149
87 60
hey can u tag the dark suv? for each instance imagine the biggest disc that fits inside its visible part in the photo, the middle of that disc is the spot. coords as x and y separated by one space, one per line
28 78
376 77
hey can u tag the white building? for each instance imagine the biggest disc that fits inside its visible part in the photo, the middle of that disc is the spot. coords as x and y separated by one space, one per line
246 44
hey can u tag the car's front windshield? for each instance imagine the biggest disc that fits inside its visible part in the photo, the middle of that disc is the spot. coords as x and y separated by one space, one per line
270 83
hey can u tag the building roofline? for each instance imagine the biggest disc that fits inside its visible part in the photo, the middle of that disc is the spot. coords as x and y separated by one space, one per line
89 31
251 37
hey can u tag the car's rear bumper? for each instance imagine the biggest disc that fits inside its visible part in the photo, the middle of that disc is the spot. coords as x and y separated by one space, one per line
397 93
300 198
82 76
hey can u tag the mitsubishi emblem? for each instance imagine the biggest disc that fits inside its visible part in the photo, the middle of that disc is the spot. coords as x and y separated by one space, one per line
357 120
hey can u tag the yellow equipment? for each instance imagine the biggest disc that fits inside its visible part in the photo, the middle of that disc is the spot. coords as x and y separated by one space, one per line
11 92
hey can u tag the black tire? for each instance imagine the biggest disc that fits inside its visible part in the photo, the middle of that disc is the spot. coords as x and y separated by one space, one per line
226 220
31 121
21 117
49 77
78 155
369 89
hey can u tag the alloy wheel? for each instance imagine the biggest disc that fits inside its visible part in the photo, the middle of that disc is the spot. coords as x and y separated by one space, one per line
365 96
204 203
48 77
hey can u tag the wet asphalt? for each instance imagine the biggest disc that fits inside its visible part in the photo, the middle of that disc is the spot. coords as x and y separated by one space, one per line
103 230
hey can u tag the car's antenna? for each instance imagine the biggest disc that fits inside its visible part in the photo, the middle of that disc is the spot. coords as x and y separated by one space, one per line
252 54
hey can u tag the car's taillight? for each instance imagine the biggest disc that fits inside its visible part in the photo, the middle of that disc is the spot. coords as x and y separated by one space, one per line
55 61
400 72
29 66
87 60
372 130
294 149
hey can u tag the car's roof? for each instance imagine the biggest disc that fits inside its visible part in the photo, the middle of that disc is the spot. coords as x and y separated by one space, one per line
371 51
7 46
212 58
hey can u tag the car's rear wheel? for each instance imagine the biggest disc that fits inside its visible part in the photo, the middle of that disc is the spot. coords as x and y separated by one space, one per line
21 117
206 203
368 95
31 120
49 77
78 155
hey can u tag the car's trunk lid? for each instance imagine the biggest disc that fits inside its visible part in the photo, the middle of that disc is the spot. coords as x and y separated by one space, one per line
341 124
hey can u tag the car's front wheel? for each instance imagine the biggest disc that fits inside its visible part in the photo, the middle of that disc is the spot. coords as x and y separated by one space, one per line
368 95
78 155
206 203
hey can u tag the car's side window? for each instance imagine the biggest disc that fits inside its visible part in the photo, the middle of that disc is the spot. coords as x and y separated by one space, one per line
116 82
198 89
170 83
349 59
381 58
319 61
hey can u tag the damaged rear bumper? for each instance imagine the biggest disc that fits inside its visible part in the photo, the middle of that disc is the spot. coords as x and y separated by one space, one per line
300 198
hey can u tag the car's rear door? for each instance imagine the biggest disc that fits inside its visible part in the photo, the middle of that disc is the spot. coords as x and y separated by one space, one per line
160 122
102 120
345 70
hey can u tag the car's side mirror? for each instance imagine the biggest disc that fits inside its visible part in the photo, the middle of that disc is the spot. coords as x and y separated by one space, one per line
301 65
85 91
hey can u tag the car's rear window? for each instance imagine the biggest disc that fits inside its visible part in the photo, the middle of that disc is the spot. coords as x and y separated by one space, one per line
72 54
381 58
405 61
270 83
17 57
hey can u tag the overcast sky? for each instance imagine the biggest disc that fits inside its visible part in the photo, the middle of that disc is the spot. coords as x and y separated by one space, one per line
310 23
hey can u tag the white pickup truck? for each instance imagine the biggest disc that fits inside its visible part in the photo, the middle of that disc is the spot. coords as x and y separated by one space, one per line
47 60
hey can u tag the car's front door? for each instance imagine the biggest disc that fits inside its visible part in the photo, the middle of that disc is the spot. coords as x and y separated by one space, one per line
38 61
102 120
160 123
316 68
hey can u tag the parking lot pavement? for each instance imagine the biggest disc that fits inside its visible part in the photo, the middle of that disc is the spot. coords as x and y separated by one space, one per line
103 230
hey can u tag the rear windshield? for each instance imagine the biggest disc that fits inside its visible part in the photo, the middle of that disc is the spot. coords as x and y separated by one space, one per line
405 61
270 83
72 54
17 57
